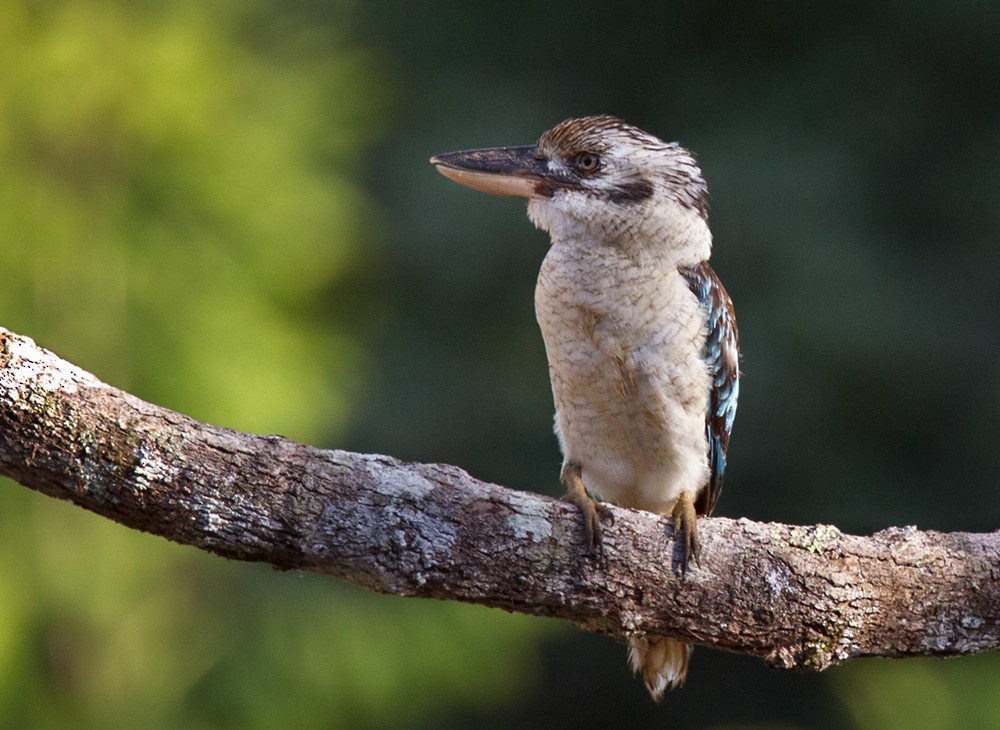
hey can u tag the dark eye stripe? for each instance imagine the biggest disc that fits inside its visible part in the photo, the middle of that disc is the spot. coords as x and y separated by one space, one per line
634 191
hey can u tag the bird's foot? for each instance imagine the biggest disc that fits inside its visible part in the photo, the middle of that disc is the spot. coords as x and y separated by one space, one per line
686 530
592 509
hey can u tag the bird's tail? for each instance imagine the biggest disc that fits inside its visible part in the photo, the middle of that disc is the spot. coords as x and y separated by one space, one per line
663 662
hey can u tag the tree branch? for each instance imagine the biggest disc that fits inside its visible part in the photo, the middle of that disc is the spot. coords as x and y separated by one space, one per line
801 597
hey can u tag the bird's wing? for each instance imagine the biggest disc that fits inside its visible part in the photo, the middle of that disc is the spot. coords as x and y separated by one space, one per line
722 356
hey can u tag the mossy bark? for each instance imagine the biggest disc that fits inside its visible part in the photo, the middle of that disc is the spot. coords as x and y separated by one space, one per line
801 597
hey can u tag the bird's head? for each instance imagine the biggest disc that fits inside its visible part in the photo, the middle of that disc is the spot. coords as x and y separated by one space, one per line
598 180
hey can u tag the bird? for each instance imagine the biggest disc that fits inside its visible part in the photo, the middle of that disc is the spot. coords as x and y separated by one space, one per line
640 334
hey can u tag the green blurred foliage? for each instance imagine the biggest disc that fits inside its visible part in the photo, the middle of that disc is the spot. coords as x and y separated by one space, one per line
180 198
226 208
893 695
175 197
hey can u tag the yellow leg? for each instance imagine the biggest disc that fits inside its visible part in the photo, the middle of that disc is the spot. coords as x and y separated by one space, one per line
686 530
591 509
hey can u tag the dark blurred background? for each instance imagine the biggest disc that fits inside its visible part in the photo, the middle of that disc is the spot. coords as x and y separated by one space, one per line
226 208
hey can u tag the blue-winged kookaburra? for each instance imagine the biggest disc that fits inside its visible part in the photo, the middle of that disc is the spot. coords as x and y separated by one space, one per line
639 332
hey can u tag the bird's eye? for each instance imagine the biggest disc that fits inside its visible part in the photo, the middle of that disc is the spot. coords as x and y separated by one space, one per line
587 162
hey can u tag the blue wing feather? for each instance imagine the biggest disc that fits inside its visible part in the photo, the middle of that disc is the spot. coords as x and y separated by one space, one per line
722 358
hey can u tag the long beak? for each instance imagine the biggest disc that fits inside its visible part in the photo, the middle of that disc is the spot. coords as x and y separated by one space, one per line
498 170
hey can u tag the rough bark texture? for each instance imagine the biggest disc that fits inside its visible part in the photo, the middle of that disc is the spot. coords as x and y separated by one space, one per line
802 597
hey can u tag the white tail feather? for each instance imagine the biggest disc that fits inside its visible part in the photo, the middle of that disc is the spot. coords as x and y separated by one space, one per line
663 663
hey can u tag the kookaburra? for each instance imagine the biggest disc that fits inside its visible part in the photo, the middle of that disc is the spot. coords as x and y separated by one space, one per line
639 332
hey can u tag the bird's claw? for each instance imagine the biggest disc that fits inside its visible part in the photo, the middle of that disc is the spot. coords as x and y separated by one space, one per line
686 529
592 509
